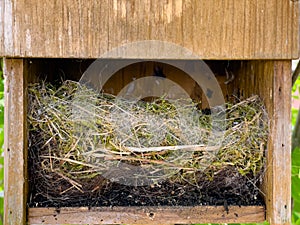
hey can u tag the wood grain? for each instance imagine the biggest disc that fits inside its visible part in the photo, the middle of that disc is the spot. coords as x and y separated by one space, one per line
146 215
15 143
220 29
279 184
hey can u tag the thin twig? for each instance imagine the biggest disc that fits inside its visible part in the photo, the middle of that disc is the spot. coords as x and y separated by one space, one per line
174 148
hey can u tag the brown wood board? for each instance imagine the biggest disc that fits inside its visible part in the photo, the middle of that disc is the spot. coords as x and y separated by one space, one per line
221 29
15 143
147 215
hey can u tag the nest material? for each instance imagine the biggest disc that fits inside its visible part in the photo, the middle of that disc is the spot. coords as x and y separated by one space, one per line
95 149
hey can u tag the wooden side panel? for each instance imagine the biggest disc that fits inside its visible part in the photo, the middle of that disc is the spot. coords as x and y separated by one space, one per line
142 69
220 29
147 215
139 70
272 81
15 157
279 184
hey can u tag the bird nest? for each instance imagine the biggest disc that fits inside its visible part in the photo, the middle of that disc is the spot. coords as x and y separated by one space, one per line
91 149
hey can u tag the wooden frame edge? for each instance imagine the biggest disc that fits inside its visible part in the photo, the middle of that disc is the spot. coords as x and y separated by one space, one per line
15 143
147 215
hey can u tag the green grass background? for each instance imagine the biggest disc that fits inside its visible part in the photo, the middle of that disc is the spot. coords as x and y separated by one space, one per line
295 155
296 162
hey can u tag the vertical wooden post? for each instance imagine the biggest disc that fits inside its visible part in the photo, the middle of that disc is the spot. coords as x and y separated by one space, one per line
279 154
15 144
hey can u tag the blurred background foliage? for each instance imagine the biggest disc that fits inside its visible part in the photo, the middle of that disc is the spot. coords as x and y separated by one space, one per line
295 153
296 150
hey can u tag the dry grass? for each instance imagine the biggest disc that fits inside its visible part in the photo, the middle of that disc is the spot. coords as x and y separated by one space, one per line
76 135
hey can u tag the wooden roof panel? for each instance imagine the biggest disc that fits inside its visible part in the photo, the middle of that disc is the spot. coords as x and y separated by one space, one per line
219 29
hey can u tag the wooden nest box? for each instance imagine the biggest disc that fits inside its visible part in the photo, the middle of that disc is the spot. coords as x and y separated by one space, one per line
254 41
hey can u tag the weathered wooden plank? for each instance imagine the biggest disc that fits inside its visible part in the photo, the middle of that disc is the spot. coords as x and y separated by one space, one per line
295 16
15 143
279 185
146 215
271 80
220 29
